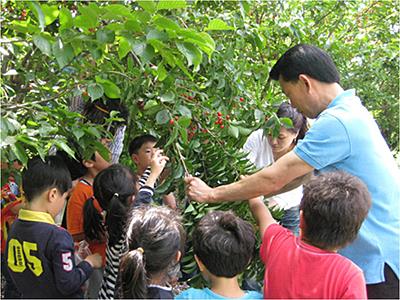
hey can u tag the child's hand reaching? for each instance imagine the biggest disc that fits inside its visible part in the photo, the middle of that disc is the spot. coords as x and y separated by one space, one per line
158 162
95 260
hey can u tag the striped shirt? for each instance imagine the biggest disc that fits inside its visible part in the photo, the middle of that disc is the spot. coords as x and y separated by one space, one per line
115 252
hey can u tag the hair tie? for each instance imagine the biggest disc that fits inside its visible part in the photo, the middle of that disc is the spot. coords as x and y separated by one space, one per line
101 109
116 195
140 249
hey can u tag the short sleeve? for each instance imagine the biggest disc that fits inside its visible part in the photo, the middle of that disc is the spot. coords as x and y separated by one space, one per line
75 209
273 236
326 143
253 145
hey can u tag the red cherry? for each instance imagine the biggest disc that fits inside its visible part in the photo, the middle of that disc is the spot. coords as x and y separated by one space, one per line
219 114
241 99
190 97
222 126
228 117
171 122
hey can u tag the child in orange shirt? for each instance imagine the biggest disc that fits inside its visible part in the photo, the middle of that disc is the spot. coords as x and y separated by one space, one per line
80 194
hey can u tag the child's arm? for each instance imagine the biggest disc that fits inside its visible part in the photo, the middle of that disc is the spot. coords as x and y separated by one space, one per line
261 214
145 194
69 277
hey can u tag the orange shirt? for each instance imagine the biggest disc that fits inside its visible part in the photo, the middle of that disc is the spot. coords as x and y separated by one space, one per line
82 191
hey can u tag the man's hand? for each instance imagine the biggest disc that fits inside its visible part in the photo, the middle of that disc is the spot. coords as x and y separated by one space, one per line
198 190
95 260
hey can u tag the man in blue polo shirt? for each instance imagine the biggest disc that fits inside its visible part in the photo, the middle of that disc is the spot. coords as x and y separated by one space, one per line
343 137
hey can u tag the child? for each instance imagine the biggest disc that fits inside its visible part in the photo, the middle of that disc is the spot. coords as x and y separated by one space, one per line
81 193
223 245
141 149
115 190
155 239
332 209
40 255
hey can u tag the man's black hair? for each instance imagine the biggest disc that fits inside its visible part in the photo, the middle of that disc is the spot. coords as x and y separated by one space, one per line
308 60
138 141
43 175
224 243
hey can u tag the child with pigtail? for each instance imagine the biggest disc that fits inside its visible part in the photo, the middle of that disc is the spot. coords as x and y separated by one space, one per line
115 190
155 238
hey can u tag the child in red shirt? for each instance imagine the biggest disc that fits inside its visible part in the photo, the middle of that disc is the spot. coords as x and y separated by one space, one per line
332 209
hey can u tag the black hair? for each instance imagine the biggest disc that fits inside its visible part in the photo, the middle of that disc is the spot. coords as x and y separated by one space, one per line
224 243
75 166
113 188
300 124
138 142
154 236
41 175
334 206
98 110
308 60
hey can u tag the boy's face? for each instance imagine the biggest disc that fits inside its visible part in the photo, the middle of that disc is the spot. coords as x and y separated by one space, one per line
143 157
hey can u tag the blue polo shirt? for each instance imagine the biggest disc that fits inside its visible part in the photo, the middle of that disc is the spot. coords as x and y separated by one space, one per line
346 137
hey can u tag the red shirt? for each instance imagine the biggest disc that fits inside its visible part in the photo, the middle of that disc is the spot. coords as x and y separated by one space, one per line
294 269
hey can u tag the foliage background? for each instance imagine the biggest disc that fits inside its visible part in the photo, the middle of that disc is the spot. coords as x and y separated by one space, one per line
176 64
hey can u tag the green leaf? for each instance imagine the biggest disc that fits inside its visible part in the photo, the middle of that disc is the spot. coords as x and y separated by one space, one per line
145 51
184 121
148 5
154 34
24 27
42 43
192 54
87 19
287 122
184 111
37 11
168 4
124 47
95 91
63 53
50 13
165 23
63 146
150 104
167 97
218 24
172 137
233 131
110 88
116 11
132 25
66 20
161 72
163 116
78 133
20 153
105 36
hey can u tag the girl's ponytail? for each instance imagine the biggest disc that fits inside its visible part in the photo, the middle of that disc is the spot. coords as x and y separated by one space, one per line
93 226
133 275
117 212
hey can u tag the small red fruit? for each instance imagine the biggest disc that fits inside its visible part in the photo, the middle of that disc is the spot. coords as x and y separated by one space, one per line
171 122
204 130
228 117
222 126
241 99
219 114
190 97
